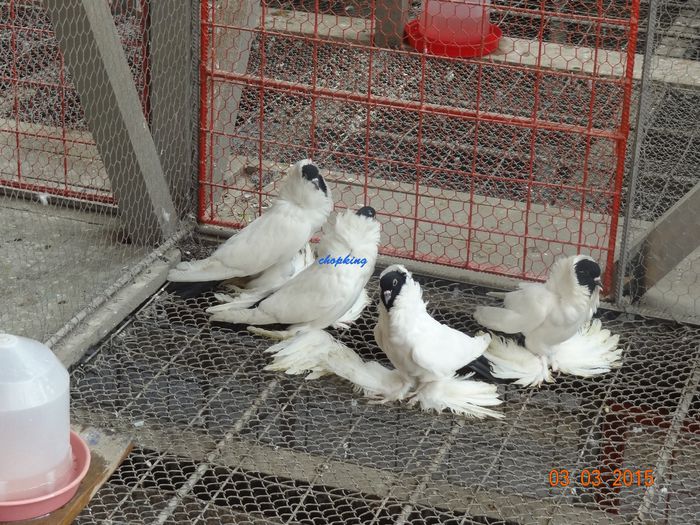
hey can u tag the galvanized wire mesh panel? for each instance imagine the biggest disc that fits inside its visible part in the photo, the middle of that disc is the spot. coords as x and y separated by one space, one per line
660 261
72 203
498 164
221 441
45 144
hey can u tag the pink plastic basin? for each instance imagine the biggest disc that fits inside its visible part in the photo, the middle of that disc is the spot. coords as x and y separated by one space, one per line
35 507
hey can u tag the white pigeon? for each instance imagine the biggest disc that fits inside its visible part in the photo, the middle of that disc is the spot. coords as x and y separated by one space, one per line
554 318
433 358
324 293
272 280
433 362
273 241
269 281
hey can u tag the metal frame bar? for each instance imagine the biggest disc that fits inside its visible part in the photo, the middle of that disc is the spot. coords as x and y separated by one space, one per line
95 58
171 110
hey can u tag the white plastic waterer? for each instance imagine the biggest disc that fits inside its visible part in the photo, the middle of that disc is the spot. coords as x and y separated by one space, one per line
455 21
35 448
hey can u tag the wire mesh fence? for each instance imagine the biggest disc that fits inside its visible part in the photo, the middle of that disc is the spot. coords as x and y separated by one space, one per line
659 260
498 164
46 144
221 441
72 226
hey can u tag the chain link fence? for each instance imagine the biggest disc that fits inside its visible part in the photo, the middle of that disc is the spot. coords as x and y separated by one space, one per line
46 144
498 164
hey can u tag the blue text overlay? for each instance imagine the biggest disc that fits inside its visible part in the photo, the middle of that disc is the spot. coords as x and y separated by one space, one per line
337 261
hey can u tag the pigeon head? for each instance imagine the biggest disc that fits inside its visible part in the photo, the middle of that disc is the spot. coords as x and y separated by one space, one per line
310 172
588 273
366 211
391 283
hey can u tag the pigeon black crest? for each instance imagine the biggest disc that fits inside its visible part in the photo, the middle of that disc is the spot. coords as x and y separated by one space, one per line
367 211
310 172
588 274
391 284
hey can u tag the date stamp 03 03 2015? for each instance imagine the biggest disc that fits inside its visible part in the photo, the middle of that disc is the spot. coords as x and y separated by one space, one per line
592 477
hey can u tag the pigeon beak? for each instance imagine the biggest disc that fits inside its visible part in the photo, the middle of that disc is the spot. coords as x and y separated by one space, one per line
598 282
315 183
387 295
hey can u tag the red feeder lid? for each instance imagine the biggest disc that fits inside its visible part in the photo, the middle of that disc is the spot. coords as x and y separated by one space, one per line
419 42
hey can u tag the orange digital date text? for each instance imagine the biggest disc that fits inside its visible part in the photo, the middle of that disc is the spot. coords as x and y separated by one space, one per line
595 478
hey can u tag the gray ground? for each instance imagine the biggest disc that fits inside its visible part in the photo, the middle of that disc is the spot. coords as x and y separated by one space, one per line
53 262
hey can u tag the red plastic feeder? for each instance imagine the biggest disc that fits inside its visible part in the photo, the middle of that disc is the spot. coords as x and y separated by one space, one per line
40 505
454 28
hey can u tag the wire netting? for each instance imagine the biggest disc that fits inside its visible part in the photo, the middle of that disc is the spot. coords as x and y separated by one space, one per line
218 440
498 164
662 275
46 145
68 238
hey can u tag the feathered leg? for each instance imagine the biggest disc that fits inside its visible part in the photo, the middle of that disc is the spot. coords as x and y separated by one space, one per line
254 316
321 354
460 396
244 299
273 334
511 361
590 352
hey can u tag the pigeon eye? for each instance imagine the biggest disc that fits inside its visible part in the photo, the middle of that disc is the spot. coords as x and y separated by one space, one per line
393 284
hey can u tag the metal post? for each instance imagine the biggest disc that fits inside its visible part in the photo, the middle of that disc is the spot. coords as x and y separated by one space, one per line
644 91
231 51
95 59
171 96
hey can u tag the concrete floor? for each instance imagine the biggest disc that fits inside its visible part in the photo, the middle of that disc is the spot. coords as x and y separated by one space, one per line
54 261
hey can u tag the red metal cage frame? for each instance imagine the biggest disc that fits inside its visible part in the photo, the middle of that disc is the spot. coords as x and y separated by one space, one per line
57 142
594 127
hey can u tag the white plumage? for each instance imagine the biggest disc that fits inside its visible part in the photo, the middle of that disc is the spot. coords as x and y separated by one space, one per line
548 313
318 353
426 355
429 354
276 237
269 281
355 311
555 319
509 360
460 396
322 294
590 352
